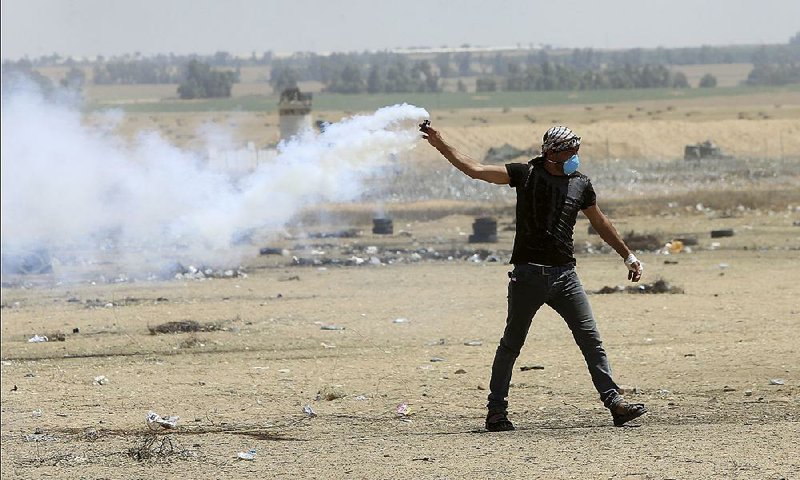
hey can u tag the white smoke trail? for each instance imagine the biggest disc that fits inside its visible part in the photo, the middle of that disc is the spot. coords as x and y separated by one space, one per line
66 185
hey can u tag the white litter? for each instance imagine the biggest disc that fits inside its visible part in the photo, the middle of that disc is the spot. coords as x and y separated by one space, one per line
155 420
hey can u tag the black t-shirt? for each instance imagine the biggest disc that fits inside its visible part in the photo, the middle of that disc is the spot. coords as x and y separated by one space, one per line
547 207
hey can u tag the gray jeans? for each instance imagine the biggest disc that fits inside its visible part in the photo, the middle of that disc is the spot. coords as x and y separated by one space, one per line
530 288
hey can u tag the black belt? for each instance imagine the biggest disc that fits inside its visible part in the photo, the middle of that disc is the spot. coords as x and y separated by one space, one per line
547 270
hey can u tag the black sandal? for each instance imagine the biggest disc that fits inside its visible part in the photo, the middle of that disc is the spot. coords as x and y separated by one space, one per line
498 422
623 412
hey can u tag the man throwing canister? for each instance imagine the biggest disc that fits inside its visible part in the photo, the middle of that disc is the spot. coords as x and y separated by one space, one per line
550 192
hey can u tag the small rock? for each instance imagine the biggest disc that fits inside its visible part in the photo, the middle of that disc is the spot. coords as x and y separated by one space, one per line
460 371
728 389
100 380
400 320
525 368
777 381
331 327
330 392
437 359
76 330
310 413
473 343
249 455
748 393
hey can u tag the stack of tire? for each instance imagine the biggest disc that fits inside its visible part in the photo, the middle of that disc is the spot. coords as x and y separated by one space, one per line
484 230
382 226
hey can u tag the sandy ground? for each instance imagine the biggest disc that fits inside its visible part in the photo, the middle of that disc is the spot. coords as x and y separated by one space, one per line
702 361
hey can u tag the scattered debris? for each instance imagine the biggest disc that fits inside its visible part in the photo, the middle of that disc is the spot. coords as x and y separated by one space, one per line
437 359
183 326
777 381
274 251
101 380
154 421
149 448
525 368
728 389
309 412
403 411
38 339
76 330
39 436
400 320
659 286
348 233
361 398
473 343
179 272
249 455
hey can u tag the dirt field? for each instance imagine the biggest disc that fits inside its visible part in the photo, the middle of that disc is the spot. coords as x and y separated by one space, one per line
702 361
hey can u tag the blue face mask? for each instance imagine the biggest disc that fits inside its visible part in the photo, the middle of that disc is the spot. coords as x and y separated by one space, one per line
571 165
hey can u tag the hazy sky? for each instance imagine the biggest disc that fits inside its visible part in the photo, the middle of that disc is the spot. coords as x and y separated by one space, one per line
108 27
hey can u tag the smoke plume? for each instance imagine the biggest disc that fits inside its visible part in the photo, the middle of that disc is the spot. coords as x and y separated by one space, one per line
67 187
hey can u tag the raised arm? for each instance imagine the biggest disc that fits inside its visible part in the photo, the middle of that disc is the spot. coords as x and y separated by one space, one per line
609 234
496 174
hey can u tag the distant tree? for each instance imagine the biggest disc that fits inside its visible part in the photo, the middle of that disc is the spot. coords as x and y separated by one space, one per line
349 81
375 82
283 77
679 80
203 82
442 62
485 85
464 62
708 81
74 79
774 74
425 79
461 86
23 71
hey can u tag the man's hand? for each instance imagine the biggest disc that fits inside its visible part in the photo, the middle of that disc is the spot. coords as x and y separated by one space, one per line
635 269
431 135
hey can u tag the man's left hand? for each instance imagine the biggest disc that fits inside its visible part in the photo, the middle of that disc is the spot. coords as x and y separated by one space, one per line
635 268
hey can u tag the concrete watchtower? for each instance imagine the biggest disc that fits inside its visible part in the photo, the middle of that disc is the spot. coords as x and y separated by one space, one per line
294 110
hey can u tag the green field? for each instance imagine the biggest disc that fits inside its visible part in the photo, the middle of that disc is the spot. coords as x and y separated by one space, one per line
446 100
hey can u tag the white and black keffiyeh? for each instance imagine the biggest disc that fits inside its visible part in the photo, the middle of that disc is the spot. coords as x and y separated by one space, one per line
558 139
